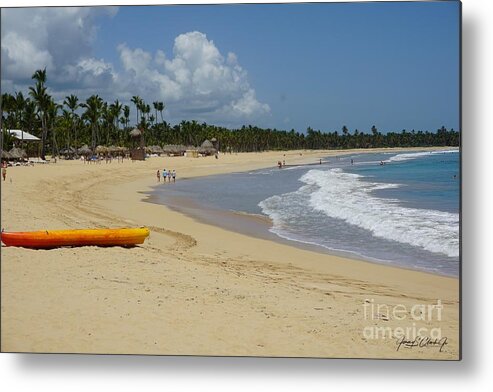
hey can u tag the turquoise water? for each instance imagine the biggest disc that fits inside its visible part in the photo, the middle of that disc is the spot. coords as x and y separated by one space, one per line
426 179
404 213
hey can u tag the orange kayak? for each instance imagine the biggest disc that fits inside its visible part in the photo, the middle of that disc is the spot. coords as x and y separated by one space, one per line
84 237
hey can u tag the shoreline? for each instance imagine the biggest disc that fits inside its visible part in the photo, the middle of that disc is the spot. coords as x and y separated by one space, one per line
251 223
179 292
258 225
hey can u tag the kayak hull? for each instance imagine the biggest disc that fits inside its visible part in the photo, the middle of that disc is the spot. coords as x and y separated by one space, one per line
48 239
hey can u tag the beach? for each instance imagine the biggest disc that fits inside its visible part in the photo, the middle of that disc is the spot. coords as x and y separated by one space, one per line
195 288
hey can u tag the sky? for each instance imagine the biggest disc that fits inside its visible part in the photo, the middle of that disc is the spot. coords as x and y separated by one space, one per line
285 66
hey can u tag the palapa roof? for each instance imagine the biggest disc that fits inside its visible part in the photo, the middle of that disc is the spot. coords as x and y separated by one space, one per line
174 149
101 149
6 155
207 148
68 151
207 144
85 150
17 153
156 149
136 132
115 149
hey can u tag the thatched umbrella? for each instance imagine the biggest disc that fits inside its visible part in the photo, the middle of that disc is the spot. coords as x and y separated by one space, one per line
207 148
136 132
68 151
6 155
85 150
174 149
157 150
207 144
112 149
215 143
18 153
101 150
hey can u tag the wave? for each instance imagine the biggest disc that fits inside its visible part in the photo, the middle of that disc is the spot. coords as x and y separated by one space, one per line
345 196
415 155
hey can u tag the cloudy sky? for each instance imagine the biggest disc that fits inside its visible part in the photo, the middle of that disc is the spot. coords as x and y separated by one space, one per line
287 66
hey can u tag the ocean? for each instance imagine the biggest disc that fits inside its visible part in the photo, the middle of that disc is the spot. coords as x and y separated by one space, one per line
404 212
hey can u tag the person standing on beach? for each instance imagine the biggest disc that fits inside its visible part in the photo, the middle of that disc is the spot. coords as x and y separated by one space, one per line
158 174
165 174
4 173
174 175
169 176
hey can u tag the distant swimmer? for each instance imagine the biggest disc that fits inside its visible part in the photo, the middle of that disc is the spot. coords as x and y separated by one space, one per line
320 161
352 162
381 163
279 164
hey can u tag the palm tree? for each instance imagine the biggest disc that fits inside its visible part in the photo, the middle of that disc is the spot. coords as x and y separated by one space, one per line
146 109
137 101
160 108
52 111
40 76
20 103
116 108
72 102
29 115
93 106
8 107
42 100
126 115
156 105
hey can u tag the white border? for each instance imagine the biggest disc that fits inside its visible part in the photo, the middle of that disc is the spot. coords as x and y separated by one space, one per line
116 373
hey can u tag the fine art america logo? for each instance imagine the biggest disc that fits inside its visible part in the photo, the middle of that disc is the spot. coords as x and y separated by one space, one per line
414 321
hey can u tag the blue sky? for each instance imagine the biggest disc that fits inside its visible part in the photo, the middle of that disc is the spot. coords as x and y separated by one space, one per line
395 65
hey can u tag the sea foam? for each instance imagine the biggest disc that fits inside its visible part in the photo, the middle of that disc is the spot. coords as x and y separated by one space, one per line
415 155
348 197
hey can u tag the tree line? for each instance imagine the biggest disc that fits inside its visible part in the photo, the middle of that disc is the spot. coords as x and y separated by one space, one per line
94 121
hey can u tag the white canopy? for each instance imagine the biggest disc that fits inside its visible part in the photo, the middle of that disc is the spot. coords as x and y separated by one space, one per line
23 135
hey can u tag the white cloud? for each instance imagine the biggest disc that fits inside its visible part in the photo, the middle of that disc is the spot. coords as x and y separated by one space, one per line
21 57
46 37
198 81
88 73
195 82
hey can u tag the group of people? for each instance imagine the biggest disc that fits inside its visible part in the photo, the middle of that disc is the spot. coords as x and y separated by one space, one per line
169 174
99 159
280 164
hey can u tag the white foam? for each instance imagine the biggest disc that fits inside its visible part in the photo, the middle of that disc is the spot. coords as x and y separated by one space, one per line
414 155
344 196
